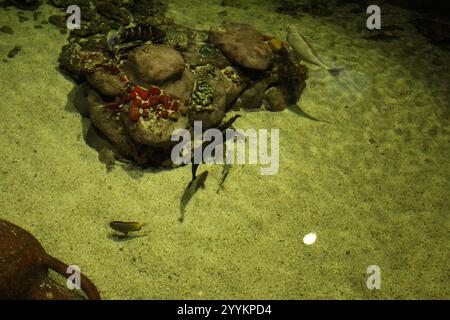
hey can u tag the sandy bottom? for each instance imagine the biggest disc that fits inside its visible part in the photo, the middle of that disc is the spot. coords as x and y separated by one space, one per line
372 182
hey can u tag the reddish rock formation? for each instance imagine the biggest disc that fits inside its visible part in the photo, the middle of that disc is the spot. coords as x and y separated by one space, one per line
24 268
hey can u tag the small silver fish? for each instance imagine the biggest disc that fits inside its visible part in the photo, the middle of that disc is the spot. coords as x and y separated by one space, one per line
305 51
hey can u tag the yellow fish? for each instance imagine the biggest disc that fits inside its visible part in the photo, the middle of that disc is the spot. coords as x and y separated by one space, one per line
126 227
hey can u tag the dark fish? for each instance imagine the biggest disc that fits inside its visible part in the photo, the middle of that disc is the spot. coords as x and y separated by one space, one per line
191 189
225 172
223 127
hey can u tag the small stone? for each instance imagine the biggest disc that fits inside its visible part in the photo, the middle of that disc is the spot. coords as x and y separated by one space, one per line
275 99
6 29
12 53
23 19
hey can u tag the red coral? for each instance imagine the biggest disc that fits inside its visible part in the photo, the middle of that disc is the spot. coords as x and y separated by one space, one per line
164 114
154 91
175 106
136 104
164 99
142 99
153 101
134 114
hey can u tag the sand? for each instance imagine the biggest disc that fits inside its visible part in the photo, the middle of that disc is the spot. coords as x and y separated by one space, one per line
372 181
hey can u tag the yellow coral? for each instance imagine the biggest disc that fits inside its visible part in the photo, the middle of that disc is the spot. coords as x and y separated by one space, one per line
276 44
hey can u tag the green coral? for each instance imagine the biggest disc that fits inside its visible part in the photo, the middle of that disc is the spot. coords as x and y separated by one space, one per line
203 93
207 49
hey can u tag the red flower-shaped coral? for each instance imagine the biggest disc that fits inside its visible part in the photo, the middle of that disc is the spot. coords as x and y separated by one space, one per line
139 101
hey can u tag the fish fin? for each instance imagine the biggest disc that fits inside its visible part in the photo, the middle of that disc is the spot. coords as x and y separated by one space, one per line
194 171
297 110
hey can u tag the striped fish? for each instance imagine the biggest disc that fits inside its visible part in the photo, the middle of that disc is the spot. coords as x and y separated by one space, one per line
138 33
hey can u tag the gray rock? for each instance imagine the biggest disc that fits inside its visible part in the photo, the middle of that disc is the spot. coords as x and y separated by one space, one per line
275 99
151 64
153 131
252 97
243 45
110 125
105 83
181 89
234 82
80 100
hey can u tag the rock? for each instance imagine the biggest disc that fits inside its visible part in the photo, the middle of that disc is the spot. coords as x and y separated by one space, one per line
436 31
113 12
99 25
292 76
178 37
7 30
243 45
105 83
80 100
58 21
235 82
26 4
253 96
213 113
79 63
143 9
65 3
275 99
153 131
111 126
151 64
181 89
24 269
216 58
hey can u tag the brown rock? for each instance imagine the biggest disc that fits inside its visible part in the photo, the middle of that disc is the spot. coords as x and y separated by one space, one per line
105 83
275 99
243 45
182 88
252 97
110 125
80 100
151 64
153 131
